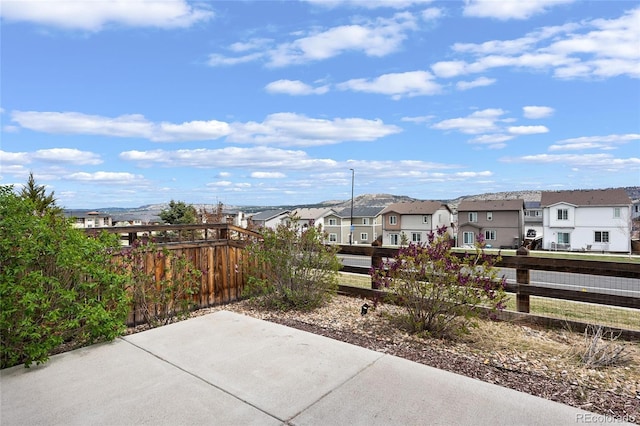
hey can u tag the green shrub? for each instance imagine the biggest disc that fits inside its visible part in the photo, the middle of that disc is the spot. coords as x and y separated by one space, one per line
442 294
292 267
57 285
162 282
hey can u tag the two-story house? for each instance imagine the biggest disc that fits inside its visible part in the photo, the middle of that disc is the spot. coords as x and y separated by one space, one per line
311 216
413 221
268 219
500 222
590 220
88 219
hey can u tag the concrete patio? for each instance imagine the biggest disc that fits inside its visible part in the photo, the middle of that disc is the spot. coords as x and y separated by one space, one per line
228 369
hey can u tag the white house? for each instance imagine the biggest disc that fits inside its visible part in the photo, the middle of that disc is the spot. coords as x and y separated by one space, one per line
590 220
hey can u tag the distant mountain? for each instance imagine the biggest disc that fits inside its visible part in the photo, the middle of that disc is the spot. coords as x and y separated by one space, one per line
364 200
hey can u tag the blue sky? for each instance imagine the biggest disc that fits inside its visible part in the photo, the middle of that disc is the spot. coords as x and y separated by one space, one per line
124 103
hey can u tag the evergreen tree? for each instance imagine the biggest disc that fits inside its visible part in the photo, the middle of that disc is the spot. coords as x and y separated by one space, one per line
36 194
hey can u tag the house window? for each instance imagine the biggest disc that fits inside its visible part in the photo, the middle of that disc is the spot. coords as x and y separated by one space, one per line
364 236
563 238
473 216
468 238
425 219
393 220
490 234
601 236
416 237
616 212
333 221
489 215
333 238
365 220
563 214
394 239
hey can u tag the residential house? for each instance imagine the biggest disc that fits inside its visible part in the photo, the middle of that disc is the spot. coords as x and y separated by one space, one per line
88 219
269 218
413 221
336 225
499 222
590 220
532 220
635 210
364 229
311 216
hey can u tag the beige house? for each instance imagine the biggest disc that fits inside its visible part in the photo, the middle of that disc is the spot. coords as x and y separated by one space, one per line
364 229
88 219
499 222
413 221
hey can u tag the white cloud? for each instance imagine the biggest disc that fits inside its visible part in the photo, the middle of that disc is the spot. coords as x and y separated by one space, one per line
220 184
221 60
286 129
431 14
290 129
447 69
594 142
478 82
535 112
131 126
295 88
106 177
190 131
510 9
419 119
375 38
268 175
599 161
478 122
527 130
67 155
96 14
395 4
53 155
230 157
492 139
598 48
396 85
12 158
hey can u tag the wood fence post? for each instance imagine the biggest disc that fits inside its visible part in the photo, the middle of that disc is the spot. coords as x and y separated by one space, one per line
522 278
376 261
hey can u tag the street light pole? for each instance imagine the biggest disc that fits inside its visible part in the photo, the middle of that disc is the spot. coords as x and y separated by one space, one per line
351 222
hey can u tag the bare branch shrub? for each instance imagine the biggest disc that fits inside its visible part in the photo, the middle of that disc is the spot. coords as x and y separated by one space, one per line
601 348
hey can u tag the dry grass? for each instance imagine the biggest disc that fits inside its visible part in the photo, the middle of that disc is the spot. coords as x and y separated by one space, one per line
554 353
563 309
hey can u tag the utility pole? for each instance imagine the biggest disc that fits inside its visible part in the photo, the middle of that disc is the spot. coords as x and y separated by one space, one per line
351 222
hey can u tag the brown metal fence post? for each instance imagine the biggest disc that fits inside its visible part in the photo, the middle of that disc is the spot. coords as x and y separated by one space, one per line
522 278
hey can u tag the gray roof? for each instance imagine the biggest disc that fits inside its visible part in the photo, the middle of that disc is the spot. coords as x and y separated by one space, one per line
268 214
360 211
491 205
415 207
587 197
85 213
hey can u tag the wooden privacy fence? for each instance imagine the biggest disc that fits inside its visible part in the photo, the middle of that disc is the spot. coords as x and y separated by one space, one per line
221 260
